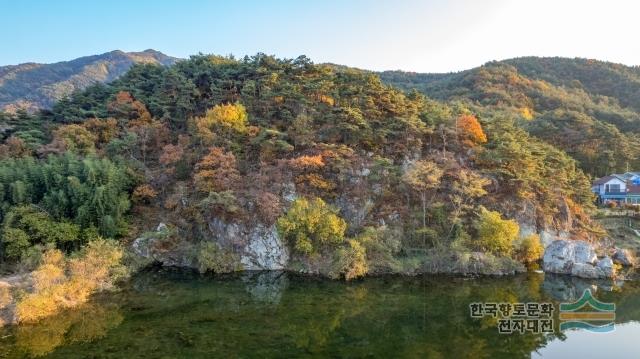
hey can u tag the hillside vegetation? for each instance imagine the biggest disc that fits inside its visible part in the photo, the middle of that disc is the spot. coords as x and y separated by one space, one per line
354 175
587 108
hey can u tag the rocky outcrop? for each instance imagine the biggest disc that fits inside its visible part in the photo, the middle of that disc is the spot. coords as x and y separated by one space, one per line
155 247
264 250
577 258
624 257
259 247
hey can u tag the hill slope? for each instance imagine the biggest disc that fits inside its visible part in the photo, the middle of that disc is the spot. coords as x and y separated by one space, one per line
588 108
264 163
32 86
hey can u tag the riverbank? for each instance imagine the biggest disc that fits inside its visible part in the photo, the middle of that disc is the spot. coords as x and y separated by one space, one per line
178 313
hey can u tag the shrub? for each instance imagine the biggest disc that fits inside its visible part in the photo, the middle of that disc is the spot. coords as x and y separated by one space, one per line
350 261
495 234
269 208
221 117
15 243
210 257
144 194
530 249
381 245
63 283
311 224
25 226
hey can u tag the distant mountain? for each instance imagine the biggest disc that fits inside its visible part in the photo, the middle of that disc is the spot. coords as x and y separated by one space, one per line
588 108
33 86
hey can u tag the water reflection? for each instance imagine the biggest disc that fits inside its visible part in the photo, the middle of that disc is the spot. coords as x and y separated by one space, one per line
266 314
81 325
267 286
569 289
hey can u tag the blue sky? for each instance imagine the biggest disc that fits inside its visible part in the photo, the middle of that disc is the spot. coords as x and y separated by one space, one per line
413 35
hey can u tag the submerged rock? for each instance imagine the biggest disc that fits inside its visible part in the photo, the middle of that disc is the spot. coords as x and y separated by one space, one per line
577 258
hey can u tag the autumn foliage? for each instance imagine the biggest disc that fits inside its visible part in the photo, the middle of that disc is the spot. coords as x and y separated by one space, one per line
216 171
470 130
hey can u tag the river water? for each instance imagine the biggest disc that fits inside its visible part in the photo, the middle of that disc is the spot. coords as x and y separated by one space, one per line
177 314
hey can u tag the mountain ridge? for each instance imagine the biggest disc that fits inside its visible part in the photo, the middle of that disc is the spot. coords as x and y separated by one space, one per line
588 108
32 86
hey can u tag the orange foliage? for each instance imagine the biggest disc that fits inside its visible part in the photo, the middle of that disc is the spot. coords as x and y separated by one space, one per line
269 207
315 181
124 106
144 193
171 154
14 147
216 171
306 162
470 130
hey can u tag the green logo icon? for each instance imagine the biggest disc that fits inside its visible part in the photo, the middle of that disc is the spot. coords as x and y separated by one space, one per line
578 315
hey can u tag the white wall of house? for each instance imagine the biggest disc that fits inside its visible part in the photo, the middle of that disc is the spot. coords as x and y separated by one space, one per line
610 186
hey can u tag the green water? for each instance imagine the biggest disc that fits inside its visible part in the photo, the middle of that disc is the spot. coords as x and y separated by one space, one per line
171 314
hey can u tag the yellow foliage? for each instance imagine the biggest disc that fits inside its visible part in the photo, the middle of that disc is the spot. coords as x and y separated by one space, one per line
526 113
351 260
531 249
310 224
61 283
75 138
328 100
495 234
104 130
84 324
315 181
470 130
226 116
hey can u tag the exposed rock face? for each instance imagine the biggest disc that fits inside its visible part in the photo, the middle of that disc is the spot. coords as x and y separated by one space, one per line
259 247
264 250
624 257
153 248
549 236
577 258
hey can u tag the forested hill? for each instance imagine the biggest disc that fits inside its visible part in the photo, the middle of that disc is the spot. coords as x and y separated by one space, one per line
588 108
32 86
354 176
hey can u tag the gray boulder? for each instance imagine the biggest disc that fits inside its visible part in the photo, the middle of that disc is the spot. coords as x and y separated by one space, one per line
584 270
577 258
606 266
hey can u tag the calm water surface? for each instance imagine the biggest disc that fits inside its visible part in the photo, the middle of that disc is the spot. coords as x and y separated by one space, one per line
171 314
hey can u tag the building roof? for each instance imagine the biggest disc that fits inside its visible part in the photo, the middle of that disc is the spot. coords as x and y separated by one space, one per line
605 179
